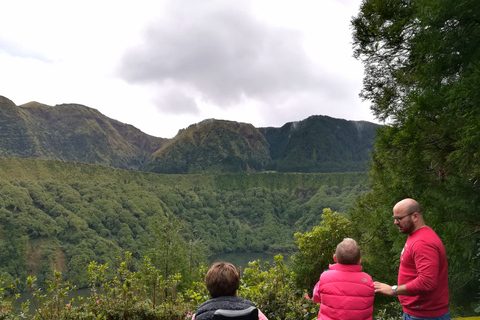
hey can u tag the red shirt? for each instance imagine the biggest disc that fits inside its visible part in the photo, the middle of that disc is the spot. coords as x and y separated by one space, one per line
424 270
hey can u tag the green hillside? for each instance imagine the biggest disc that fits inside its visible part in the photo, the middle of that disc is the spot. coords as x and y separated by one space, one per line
212 146
321 144
71 132
62 215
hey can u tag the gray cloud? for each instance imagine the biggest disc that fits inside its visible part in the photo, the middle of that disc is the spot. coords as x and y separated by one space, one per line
223 54
176 101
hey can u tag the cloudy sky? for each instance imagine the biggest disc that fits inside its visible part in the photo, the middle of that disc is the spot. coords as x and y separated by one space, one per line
164 65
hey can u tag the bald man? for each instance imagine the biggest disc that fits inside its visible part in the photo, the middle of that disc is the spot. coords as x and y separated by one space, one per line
422 286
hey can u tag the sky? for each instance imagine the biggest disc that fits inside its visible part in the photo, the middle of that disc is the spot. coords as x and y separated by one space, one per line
162 66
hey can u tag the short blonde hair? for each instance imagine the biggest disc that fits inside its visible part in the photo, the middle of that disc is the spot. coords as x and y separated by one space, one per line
348 252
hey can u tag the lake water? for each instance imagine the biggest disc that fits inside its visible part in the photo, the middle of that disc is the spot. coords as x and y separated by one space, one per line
241 259
84 292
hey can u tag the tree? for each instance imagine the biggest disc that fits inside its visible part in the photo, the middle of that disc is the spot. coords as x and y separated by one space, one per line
422 74
174 250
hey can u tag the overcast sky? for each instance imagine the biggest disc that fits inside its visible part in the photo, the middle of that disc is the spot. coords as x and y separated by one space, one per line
164 65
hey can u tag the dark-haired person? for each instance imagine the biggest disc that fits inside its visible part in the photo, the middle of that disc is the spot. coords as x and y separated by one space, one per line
422 286
222 281
344 291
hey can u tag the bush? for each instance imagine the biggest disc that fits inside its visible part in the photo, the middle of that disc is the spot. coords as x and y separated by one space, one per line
273 290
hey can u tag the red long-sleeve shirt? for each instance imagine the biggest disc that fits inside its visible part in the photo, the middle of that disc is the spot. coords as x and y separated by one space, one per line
424 271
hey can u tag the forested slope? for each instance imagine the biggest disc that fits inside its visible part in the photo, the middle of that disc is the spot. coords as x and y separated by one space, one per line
71 132
321 144
212 146
62 215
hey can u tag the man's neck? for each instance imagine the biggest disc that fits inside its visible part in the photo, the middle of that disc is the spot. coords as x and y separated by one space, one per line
418 228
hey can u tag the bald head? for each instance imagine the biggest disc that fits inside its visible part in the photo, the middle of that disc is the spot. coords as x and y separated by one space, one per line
408 205
408 216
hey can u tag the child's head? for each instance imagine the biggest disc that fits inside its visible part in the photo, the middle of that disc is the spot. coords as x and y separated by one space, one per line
223 279
348 252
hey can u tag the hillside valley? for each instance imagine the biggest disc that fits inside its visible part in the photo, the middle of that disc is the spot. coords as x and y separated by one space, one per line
77 186
57 215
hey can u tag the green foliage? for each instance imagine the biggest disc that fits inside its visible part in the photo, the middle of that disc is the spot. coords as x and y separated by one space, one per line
73 132
273 290
60 216
146 294
316 248
8 297
422 74
125 295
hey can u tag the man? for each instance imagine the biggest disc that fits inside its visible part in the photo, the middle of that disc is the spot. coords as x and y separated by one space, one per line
422 286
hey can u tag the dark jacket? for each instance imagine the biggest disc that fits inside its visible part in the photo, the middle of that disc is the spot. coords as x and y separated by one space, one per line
205 310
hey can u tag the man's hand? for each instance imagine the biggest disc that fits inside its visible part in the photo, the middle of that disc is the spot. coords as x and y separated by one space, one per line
384 288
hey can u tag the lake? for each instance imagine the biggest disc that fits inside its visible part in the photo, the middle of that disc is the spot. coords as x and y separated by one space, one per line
241 259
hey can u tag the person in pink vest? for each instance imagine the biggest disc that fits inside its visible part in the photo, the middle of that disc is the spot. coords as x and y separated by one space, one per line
344 291
422 285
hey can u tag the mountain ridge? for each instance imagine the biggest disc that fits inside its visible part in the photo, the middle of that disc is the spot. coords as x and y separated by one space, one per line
71 132
74 132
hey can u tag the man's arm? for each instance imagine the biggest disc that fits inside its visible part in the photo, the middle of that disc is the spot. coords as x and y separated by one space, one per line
427 263
386 289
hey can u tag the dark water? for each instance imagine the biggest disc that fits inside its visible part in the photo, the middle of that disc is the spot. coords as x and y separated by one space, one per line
241 259
84 292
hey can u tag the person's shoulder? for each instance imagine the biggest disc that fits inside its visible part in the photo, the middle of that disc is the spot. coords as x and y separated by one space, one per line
326 273
237 299
424 234
367 276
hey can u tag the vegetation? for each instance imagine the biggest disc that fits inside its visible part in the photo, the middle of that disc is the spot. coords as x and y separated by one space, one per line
162 279
316 248
212 146
422 75
147 294
316 144
72 132
62 215
321 144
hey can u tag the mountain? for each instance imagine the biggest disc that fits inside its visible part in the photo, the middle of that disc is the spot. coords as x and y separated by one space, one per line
321 144
71 132
212 146
316 144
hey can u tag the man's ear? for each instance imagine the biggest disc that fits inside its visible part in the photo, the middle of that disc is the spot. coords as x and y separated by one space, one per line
335 257
359 261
